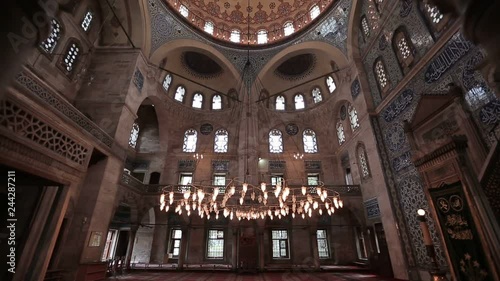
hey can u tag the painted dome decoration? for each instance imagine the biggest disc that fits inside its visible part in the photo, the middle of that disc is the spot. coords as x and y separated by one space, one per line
270 20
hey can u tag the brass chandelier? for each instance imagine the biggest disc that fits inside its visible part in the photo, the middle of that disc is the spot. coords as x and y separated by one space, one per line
254 201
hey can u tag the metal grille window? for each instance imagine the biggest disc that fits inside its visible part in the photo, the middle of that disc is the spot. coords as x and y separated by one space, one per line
221 141
209 27
197 100
299 101
323 249
190 139
316 93
179 94
167 81
365 27
275 141
288 28
312 179
217 102
353 117
134 135
340 133
220 180
175 242
87 20
330 83
363 162
381 75
71 57
434 14
404 48
309 140
215 244
49 44
280 244
280 103
276 179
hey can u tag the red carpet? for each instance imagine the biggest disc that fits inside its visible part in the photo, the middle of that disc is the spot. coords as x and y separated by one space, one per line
228 276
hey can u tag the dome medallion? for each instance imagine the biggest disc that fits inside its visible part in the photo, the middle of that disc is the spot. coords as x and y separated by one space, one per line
270 21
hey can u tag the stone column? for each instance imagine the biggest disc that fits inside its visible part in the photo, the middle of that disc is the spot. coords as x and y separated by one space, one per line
235 259
130 247
314 247
158 247
184 247
260 242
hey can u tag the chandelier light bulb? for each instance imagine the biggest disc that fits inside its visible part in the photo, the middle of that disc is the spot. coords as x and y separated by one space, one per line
187 194
329 212
194 206
162 198
336 202
245 187
315 205
232 190
304 190
320 212
303 216
167 208
325 193
216 192
162 205
332 209
241 201
217 216
263 186
341 203
318 190
327 205
252 196
194 196
188 213
188 207
265 196
293 215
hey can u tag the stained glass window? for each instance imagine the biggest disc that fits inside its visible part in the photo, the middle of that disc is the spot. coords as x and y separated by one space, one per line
209 27
262 37
179 94
434 14
235 36
280 103
280 244
381 75
340 133
353 117
134 135
299 101
363 162
314 12
316 93
215 244
167 81
288 28
309 139
49 44
275 141
197 100
190 139
183 10
87 20
221 141
330 83
71 57
216 102
323 248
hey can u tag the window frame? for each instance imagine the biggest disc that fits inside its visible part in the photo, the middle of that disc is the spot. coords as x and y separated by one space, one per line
328 78
75 65
361 152
92 15
201 102
220 175
169 84
186 139
213 97
314 140
276 103
365 27
183 95
313 10
50 53
217 133
208 243
212 28
183 9
282 147
404 63
287 25
383 89
361 249
287 245
351 108
303 101
262 37
172 247
313 175
327 242
235 31
319 97
340 140
135 128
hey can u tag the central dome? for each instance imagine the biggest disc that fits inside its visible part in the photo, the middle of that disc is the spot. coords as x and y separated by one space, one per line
250 22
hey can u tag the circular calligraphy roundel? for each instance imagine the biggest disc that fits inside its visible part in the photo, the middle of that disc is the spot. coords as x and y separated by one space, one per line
292 129
206 128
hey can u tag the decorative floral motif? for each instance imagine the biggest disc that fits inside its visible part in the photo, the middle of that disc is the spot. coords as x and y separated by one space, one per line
355 88
490 113
395 138
405 9
401 162
472 269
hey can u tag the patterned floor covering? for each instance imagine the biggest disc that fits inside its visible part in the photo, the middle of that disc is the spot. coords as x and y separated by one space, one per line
227 276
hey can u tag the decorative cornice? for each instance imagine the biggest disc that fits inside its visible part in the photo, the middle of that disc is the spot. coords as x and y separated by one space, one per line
458 143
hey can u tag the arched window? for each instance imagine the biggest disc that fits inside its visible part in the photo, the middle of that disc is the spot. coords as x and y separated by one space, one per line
309 140
280 103
134 135
404 49
167 81
330 83
183 10
235 36
381 75
71 57
363 162
262 37
299 101
340 133
216 102
49 44
179 94
365 27
275 141
353 117
190 139
314 12
197 100
221 141
87 20
316 94
288 28
209 27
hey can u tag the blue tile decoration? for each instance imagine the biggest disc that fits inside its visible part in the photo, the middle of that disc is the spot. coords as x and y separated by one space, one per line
138 80
395 137
490 113
405 9
402 162
372 208
220 165
186 165
382 43
404 100
277 165
355 88
454 50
